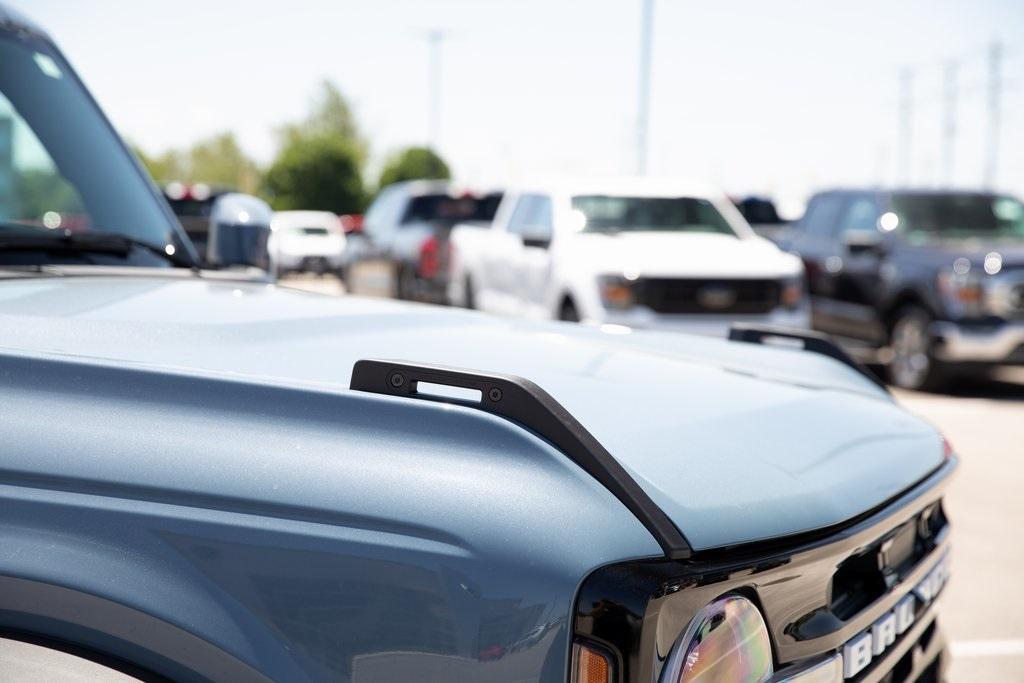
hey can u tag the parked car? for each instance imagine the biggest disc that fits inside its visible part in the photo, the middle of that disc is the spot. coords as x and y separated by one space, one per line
761 214
208 478
929 282
402 249
638 252
192 204
308 242
351 222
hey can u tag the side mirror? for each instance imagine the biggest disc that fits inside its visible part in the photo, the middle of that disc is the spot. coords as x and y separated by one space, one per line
240 234
536 236
863 241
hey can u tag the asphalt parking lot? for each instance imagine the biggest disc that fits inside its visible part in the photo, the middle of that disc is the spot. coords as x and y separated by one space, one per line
981 612
981 609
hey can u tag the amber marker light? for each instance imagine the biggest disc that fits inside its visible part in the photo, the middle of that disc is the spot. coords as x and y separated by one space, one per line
590 665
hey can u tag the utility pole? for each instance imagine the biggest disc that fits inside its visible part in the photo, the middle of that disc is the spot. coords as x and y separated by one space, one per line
995 87
906 115
949 123
644 86
435 38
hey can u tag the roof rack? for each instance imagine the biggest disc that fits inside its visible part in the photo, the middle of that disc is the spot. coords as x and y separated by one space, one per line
526 404
815 342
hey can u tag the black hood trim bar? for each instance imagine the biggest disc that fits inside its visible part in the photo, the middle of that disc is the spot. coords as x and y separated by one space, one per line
815 342
527 405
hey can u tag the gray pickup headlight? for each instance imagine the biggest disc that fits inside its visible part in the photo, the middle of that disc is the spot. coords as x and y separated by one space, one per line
726 641
962 289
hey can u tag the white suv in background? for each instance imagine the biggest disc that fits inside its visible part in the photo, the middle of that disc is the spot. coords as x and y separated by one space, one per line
636 252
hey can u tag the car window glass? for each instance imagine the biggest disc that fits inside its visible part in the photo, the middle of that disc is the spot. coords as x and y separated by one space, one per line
860 216
538 222
958 215
32 190
426 207
521 214
486 207
61 166
377 214
622 213
822 215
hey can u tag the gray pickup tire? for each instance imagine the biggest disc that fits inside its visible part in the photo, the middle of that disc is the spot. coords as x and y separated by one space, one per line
913 365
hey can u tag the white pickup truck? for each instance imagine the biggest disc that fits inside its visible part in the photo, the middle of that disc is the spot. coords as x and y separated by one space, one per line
638 252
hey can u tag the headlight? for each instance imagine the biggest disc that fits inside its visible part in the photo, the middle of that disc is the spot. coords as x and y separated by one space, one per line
616 292
726 641
792 292
962 288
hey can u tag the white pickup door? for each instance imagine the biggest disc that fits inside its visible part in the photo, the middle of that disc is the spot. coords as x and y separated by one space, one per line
511 259
535 230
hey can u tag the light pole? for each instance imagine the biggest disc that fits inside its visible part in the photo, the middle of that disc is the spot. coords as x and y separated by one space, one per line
949 123
435 38
906 116
644 86
995 88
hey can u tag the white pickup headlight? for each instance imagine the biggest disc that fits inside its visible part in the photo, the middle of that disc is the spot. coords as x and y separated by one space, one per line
726 641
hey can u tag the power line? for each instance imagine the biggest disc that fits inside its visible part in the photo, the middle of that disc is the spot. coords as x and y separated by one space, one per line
949 121
644 86
435 39
995 86
906 124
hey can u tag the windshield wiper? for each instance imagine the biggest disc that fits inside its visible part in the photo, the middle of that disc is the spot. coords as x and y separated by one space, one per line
93 242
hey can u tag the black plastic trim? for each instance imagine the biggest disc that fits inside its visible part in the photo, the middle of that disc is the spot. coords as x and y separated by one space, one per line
815 342
639 608
526 404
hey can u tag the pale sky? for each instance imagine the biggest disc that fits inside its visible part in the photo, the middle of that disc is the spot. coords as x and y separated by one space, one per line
754 96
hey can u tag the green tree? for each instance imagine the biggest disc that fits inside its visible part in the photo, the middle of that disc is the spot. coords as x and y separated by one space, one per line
330 115
414 163
218 160
316 172
163 168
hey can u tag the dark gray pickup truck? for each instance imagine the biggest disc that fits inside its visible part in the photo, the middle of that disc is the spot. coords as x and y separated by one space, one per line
933 279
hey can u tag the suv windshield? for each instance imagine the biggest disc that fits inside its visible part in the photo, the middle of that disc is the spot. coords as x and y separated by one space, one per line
607 213
957 216
65 178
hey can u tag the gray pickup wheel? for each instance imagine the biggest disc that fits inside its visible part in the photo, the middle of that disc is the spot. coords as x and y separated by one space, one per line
913 366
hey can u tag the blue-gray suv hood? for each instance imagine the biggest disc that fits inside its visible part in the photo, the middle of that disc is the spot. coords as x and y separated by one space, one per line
736 442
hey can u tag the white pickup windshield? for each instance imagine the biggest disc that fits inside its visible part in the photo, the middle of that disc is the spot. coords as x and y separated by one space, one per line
614 213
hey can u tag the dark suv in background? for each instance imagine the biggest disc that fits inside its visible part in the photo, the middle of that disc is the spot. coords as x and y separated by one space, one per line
930 283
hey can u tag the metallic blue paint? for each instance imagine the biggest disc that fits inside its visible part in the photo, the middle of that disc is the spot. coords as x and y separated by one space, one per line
187 483
302 534
736 442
